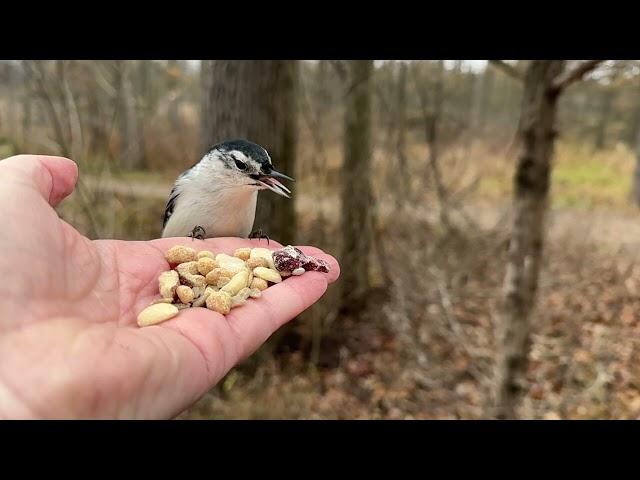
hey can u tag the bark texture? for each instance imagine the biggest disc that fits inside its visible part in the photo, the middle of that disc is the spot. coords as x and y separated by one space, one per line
256 100
531 191
356 187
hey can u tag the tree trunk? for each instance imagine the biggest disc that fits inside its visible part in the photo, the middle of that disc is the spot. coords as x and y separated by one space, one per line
401 139
323 98
634 125
531 189
488 81
636 174
256 100
131 141
432 129
356 185
173 73
27 116
605 113
98 138
36 71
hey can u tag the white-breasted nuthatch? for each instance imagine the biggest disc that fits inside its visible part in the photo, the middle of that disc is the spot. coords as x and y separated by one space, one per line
217 197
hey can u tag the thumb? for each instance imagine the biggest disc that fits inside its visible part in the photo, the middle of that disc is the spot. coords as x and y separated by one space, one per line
53 177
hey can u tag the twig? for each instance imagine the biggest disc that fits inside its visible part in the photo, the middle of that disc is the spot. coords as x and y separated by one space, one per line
507 69
454 325
340 69
566 78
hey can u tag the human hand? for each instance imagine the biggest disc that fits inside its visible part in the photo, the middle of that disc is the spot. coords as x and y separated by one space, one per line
69 343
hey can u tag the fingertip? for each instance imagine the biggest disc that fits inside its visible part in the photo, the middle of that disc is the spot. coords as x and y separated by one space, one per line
54 177
334 266
64 174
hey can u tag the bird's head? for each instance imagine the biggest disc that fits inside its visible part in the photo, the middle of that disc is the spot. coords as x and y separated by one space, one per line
240 163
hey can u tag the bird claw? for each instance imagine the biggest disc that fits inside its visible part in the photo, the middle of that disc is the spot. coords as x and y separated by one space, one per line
259 234
197 232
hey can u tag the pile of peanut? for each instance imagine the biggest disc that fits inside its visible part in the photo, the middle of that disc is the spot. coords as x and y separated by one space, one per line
221 282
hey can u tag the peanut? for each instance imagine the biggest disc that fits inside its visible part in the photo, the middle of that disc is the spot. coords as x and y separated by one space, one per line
255 293
197 291
206 264
188 274
202 298
267 274
185 294
240 298
216 273
237 283
161 300
168 282
180 254
256 262
205 253
219 302
233 264
157 313
298 271
264 253
259 284
187 268
242 253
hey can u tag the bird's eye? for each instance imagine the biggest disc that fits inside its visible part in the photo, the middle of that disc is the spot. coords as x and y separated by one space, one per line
240 165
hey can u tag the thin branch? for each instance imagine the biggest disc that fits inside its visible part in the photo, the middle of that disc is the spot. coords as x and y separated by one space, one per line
340 68
510 70
570 76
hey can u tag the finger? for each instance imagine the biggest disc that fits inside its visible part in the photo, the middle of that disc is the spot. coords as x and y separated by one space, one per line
223 341
53 177
334 266
255 321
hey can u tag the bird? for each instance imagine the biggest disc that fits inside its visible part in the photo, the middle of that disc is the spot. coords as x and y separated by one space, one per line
217 197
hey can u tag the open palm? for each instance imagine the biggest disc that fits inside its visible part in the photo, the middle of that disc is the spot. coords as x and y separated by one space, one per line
69 343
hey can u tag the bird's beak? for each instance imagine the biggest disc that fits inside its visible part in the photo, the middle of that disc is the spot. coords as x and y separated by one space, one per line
269 181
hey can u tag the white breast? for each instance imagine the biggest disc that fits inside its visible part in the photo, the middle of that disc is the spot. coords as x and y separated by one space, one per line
227 212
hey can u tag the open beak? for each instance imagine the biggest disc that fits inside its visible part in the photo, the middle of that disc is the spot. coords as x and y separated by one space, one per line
269 181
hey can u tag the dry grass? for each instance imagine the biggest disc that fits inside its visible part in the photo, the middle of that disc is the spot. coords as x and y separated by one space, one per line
582 178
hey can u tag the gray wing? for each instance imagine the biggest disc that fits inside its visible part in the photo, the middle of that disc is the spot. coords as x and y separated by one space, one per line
168 211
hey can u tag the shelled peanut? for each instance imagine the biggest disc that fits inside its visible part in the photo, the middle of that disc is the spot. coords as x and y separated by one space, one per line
221 282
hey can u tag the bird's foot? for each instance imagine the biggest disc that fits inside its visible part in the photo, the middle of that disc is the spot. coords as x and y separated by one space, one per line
259 234
197 232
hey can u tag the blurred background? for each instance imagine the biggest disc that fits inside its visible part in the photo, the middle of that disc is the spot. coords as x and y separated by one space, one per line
415 175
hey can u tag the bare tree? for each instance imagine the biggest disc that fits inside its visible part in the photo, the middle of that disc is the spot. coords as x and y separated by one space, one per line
36 71
636 174
431 100
173 74
131 138
356 183
401 124
604 114
256 100
27 113
483 92
544 82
